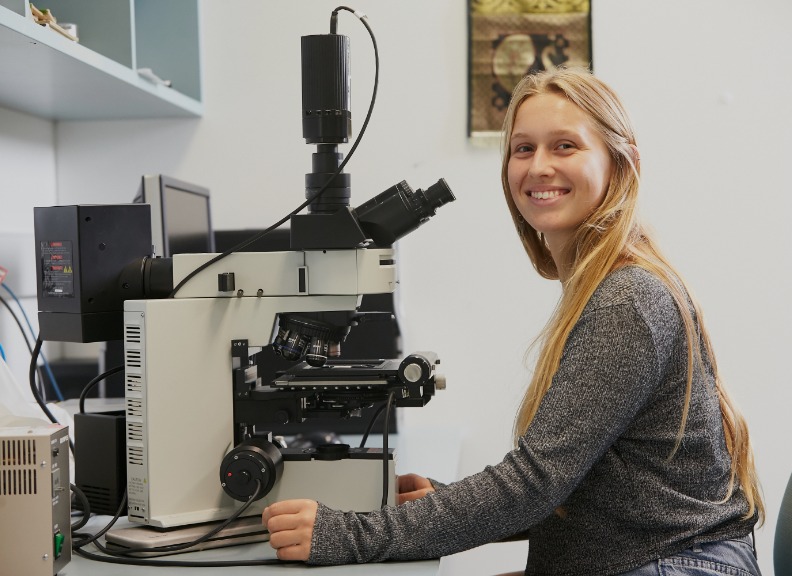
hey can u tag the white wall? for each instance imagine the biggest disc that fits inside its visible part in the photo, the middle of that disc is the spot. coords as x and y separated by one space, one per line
28 167
706 81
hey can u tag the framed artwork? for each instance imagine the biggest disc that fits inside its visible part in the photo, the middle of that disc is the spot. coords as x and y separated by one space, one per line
511 38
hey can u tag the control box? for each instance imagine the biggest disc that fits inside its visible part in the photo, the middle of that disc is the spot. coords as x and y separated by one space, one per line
35 523
81 251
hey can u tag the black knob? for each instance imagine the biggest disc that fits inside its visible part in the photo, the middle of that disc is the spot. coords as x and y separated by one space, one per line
253 459
225 282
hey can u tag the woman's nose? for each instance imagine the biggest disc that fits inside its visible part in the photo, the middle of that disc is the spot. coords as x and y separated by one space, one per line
541 163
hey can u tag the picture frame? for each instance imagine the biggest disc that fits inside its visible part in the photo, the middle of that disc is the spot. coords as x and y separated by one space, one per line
511 38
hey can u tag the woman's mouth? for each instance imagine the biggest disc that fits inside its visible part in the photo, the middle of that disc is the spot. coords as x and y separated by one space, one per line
547 194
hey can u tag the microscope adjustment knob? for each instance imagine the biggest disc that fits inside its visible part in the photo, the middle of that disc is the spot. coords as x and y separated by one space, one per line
412 372
417 368
253 459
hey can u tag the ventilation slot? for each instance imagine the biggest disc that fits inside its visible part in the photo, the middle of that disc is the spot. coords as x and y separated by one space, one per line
100 498
135 432
133 359
135 455
18 482
133 383
134 408
17 452
18 467
132 334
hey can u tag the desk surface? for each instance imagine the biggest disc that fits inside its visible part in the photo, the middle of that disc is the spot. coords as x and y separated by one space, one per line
80 566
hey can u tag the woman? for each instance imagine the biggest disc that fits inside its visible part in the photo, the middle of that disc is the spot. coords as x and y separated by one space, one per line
629 454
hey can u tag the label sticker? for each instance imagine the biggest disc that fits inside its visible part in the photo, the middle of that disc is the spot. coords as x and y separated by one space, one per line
57 268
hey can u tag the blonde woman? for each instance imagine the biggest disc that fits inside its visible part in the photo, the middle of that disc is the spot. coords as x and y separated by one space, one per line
629 456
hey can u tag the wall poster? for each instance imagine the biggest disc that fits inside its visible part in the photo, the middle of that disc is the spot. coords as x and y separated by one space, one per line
511 38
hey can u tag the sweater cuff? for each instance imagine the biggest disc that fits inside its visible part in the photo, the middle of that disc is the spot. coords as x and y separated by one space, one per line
436 484
324 551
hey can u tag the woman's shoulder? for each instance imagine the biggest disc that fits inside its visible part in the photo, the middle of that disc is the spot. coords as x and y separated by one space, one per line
634 286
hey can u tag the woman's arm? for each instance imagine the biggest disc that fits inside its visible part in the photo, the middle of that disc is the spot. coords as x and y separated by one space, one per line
609 369
291 522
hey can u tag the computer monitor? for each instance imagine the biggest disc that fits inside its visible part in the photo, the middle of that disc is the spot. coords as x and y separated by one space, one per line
181 220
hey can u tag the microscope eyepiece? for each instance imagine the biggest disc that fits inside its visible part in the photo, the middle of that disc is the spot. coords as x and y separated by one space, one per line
400 210
438 194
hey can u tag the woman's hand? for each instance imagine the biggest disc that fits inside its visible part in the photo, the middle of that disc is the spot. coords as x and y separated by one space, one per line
290 524
412 487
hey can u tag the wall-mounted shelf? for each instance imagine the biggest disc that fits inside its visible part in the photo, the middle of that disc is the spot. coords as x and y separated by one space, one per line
45 74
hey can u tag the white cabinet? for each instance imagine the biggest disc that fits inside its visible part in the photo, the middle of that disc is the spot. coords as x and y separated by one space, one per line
111 73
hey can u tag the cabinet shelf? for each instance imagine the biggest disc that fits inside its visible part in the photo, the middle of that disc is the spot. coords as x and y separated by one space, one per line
47 75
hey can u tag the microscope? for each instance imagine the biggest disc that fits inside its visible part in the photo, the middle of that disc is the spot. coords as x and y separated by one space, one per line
200 331
194 392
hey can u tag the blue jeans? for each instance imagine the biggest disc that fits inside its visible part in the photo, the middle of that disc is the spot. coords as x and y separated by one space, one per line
733 557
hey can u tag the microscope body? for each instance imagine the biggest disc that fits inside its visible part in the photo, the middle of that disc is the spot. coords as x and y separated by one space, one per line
179 388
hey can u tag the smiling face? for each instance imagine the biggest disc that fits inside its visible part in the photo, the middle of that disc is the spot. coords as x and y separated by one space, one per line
559 167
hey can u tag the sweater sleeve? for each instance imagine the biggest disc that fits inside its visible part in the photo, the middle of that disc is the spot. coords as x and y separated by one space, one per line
608 370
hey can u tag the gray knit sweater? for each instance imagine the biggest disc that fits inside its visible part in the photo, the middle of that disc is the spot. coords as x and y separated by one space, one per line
591 481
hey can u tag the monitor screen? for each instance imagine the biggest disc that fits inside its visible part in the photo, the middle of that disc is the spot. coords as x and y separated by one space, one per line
180 216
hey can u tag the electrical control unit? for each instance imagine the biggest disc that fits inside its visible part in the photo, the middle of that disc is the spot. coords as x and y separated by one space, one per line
35 503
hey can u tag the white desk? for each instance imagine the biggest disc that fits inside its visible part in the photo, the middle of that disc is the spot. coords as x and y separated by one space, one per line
84 567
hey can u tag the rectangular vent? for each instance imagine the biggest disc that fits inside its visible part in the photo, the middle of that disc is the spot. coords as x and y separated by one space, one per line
134 383
134 408
135 431
18 482
135 455
132 334
100 498
97 494
133 359
17 452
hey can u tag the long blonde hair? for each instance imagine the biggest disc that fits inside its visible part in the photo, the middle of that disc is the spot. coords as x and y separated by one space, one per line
611 237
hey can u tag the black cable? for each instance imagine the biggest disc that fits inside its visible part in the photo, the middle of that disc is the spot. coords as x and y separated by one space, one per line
94 382
76 544
34 353
249 241
86 508
18 323
25 338
32 379
334 17
171 548
371 424
120 556
385 459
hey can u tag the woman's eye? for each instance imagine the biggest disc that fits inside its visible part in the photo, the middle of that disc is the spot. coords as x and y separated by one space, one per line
522 148
566 146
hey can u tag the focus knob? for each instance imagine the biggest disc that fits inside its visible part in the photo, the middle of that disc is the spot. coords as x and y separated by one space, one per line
253 459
